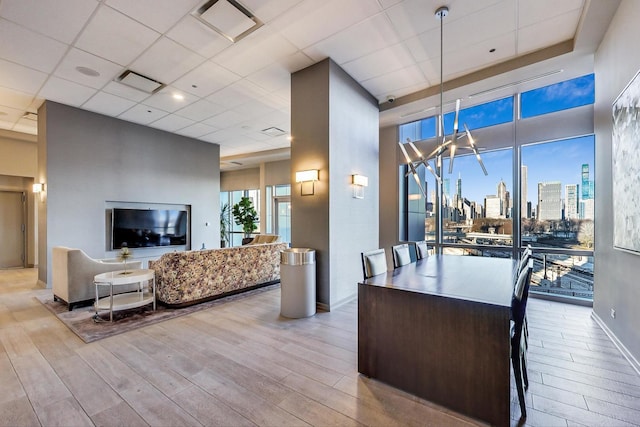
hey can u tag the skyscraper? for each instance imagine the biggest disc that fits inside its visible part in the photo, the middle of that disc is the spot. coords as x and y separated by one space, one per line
549 200
523 193
503 195
571 201
459 187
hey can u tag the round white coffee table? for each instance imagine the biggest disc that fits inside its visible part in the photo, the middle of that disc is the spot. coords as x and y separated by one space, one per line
125 300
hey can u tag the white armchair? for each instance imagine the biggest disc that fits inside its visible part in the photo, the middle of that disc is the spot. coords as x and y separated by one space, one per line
73 272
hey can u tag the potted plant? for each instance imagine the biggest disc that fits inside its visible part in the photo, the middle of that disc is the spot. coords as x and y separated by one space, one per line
245 215
225 225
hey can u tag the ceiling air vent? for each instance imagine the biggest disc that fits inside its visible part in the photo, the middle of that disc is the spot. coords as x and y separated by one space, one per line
273 131
228 18
140 82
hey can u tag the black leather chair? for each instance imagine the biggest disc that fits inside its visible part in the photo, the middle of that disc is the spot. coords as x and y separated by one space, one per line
518 339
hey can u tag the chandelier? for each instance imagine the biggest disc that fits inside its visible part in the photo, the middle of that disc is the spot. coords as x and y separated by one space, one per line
445 144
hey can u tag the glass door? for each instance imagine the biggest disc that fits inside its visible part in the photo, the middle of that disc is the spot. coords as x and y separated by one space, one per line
283 218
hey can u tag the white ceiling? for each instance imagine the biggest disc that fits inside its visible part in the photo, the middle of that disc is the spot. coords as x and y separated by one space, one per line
231 92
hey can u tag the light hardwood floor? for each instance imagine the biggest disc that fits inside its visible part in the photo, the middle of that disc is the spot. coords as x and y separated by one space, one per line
241 364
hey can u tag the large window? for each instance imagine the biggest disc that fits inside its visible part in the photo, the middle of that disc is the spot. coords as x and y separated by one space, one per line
560 96
553 210
558 192
483 115
231 198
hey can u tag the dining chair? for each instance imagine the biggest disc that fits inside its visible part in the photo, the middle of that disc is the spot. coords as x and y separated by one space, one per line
374 263
422 251
524 258
401 255
518 340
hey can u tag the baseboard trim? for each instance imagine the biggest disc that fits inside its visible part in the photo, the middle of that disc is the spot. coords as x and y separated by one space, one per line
325 307
625 352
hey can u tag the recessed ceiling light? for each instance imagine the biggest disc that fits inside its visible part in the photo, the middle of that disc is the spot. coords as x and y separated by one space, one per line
87 71
178 97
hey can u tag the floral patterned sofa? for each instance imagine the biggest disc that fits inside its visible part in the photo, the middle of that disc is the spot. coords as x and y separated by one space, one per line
190 277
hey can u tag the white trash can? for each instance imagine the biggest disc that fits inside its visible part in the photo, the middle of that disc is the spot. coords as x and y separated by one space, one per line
298 282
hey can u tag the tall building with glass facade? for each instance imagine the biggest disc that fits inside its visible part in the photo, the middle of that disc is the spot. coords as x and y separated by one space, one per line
549 201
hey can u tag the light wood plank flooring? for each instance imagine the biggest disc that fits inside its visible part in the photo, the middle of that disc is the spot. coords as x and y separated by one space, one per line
240 364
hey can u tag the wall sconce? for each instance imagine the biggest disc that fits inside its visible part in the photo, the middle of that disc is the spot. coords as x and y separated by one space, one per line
307 179
359 182
38 188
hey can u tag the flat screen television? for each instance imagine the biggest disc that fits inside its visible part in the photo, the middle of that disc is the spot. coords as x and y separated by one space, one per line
147 228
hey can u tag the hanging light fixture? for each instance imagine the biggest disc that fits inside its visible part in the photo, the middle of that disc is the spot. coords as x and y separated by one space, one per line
444 144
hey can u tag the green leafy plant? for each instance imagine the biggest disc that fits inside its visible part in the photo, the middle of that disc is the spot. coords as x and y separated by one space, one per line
245 215
225 223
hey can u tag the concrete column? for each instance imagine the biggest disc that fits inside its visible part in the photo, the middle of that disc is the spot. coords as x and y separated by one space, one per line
335 129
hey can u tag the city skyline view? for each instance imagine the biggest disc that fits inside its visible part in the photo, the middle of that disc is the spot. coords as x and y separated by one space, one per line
546 162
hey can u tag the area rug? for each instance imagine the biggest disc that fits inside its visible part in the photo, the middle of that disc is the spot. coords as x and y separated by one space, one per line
81 319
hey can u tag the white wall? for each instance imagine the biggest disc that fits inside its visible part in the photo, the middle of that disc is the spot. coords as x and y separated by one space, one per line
616 273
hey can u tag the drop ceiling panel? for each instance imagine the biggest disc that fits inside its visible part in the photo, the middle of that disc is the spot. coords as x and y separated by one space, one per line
483 23
196 36
78 58
115 37
25 47
224 119
197 130
207 78
541 10
552 31
107 104
476 56
317 20
413 17
245 58
171 123
165 99
357 41
269 10
254 109
201 110
380 62
9 116
142 114
20 78
15 99
65 92
166 60
157 14
124 91
237 93
396 82
26 126
277 77
60 19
